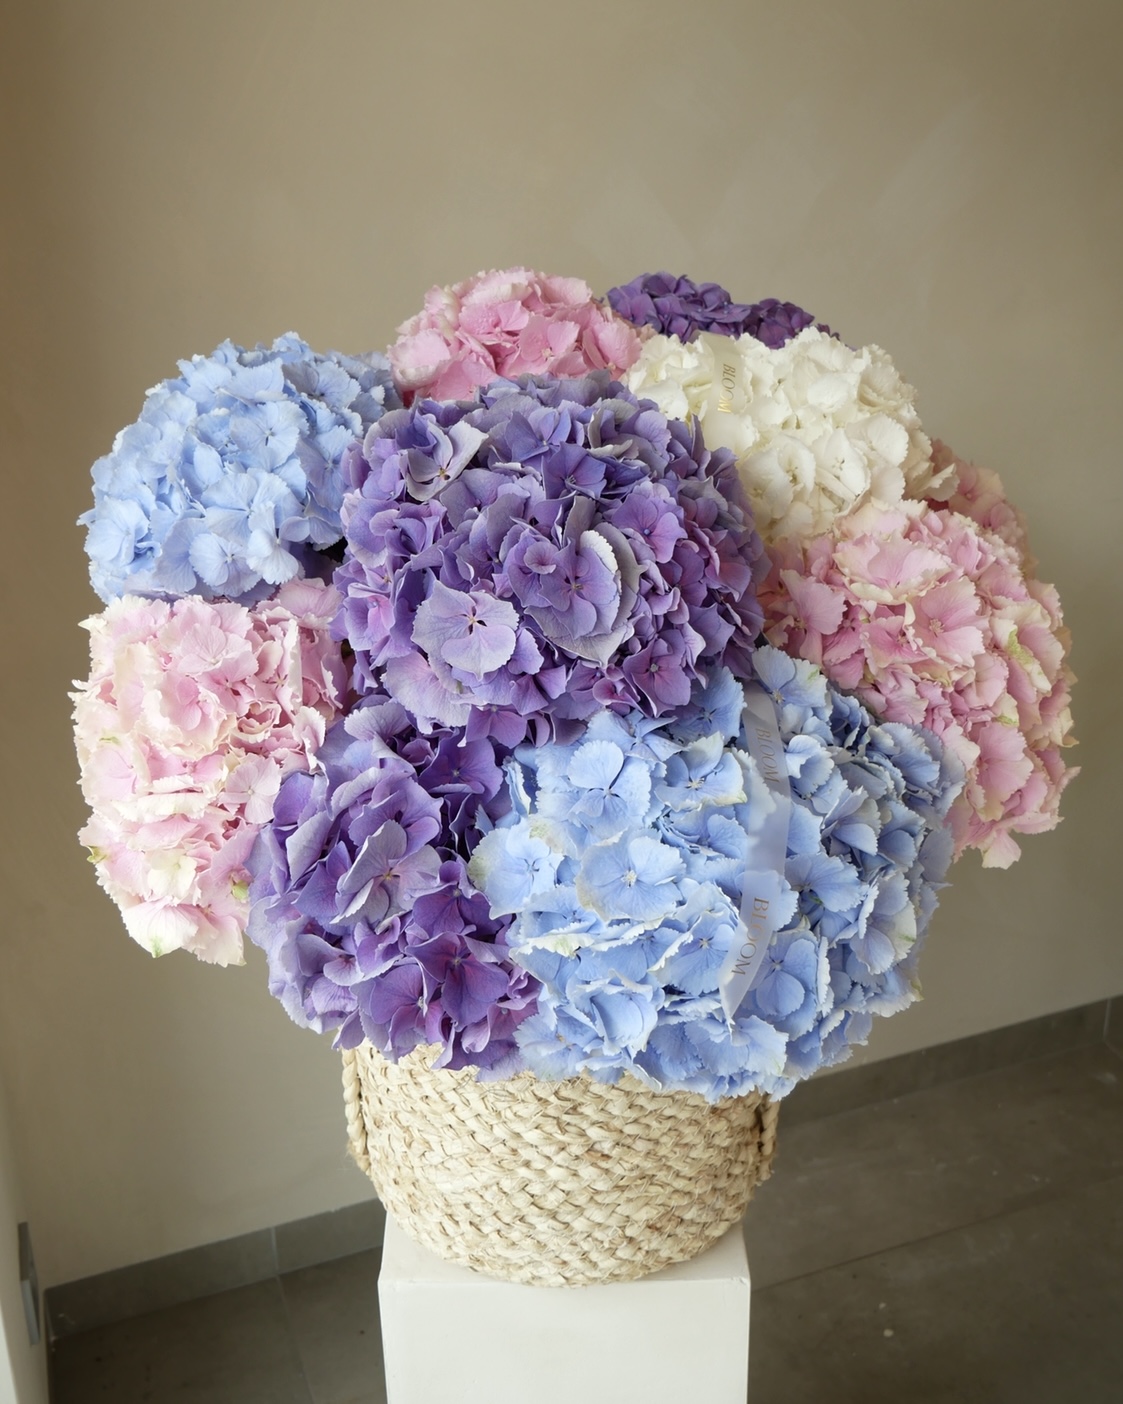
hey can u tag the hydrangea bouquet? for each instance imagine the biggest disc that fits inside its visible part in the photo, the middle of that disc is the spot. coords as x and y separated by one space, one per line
588 686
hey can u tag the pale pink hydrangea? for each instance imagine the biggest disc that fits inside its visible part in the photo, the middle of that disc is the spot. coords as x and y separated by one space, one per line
978 493
931 619
192 715
508 323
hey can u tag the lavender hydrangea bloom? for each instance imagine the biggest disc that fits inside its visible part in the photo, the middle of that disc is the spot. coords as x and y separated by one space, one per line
229 482
682 308
678 306
519 561
361 900
775 322
622 862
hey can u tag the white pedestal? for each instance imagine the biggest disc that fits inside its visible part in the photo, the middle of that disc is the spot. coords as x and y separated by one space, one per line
678 1336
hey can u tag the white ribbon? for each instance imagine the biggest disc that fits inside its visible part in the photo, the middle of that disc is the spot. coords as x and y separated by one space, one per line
768 851
721 425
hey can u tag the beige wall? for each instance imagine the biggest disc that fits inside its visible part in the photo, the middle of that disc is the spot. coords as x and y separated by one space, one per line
940 178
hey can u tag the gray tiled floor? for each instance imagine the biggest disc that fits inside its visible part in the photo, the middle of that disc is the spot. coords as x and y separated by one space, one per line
962 1243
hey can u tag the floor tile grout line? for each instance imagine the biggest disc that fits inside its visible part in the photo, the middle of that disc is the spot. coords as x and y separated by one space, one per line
286 1307
375 1323
1039 1200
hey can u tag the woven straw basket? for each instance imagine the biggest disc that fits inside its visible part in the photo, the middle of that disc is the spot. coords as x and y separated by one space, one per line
553 1184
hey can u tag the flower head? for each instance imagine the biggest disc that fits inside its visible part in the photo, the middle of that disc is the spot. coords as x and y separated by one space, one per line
505 324
682 308
623 863
931 619
817 427
361 900
517 562
978 493
228 484
192 716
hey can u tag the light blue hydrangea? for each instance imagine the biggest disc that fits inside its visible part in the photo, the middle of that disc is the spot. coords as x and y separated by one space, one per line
622 863
229 483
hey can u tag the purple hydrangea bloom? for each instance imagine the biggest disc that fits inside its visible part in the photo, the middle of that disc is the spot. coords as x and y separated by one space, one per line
229 482
521 560
776 323
680 307
361 900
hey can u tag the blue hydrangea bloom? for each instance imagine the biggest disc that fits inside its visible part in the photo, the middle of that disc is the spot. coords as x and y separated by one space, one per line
620 868
229 482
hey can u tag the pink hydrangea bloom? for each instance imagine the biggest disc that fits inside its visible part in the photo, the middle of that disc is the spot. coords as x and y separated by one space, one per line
509 323
978 493
192 715
931 619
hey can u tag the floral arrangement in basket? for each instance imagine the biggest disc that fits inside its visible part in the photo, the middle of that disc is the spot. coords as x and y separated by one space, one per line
585 687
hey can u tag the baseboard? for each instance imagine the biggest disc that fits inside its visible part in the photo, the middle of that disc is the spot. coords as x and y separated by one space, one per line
948 1062
254 1257
213 1267
1113 1024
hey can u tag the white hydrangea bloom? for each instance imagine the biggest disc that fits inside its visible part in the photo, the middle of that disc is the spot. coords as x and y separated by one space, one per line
818 428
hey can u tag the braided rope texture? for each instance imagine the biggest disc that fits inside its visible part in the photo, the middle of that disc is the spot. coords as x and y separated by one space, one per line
554 1184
